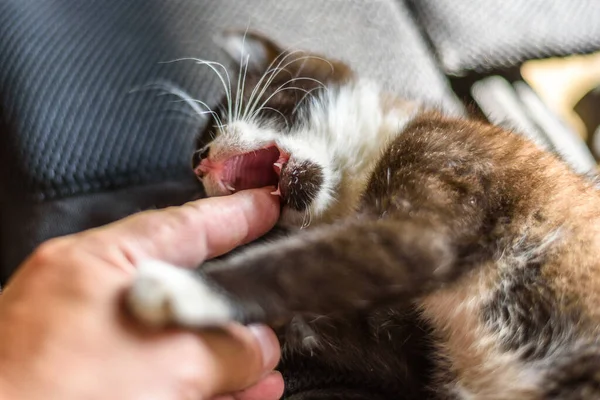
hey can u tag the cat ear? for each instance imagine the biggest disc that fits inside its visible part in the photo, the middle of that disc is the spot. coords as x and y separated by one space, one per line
250 47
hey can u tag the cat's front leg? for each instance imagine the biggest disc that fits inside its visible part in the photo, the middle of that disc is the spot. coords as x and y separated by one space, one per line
352 266
165 294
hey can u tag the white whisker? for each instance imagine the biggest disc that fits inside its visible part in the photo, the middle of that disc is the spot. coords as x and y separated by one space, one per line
239 80
301 67
251 105
187 113
212 135
201 112
240 91
211 65
273 73
305 78
262 106
287 125
308 93
241 97
172 89
321 59
282 88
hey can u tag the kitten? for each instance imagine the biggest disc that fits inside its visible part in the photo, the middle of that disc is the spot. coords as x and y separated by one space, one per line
441 258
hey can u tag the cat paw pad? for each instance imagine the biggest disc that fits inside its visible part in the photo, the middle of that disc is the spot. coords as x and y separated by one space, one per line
163 294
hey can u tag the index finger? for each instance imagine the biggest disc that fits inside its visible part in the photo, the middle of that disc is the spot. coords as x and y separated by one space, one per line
189 234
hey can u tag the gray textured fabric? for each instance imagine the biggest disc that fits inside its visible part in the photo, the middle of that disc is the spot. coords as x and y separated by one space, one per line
485 34
69 125
68 68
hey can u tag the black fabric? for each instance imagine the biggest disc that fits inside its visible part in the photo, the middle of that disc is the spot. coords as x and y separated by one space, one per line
364 362
71 123
308 379
488 34
30 223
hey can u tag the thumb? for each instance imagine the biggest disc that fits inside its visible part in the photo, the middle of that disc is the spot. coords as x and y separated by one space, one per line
238 358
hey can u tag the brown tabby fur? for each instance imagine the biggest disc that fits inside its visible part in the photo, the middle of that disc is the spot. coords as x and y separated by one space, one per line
469 269
479 229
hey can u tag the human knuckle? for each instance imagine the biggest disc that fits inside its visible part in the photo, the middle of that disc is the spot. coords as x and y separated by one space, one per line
50 251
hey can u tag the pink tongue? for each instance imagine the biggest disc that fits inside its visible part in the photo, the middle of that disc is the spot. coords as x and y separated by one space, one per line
252 170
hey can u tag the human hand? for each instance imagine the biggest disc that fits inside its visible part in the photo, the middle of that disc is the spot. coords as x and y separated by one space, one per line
63 334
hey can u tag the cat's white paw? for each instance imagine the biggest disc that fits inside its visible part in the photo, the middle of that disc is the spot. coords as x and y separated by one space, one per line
164 294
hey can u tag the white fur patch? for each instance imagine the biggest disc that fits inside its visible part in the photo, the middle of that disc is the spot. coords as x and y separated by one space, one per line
344 130
164 294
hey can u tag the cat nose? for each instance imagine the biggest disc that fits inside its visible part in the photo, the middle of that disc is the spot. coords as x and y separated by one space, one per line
204 152
200 155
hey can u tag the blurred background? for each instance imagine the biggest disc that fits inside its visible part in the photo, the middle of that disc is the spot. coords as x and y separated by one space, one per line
81 145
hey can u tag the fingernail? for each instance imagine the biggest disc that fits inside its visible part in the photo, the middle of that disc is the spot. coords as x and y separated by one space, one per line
268 348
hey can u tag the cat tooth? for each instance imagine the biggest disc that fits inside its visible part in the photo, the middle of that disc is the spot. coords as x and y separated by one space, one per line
277 167
276 192
229 187
283 159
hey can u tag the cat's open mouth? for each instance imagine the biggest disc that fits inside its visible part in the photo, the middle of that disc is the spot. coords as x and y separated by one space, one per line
256 169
